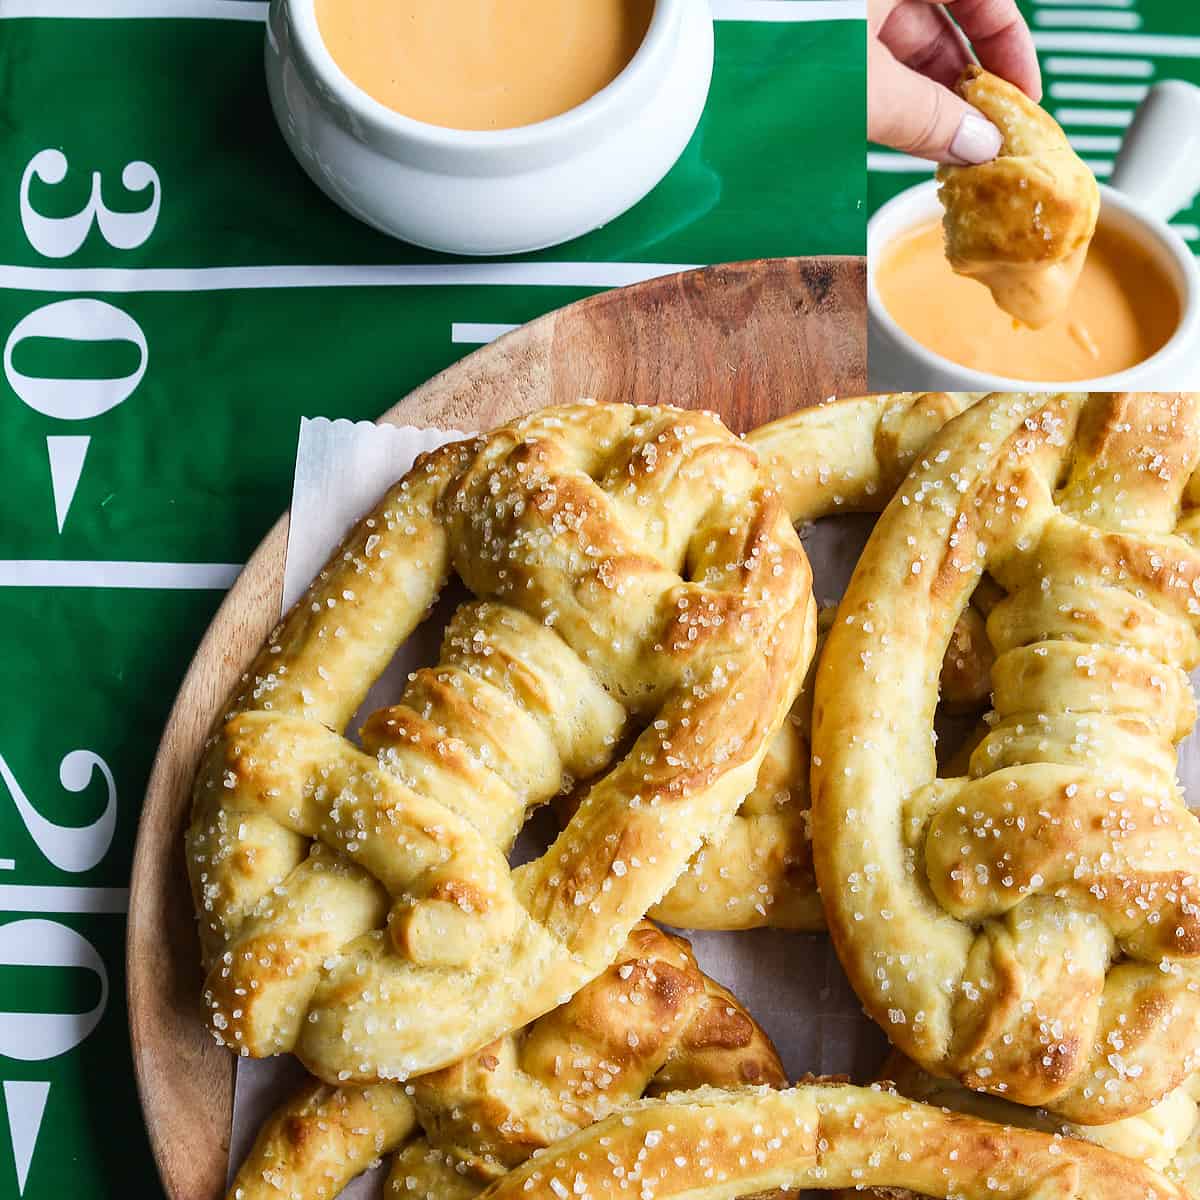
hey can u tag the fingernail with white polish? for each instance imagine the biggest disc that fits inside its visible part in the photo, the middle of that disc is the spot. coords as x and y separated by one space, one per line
977 140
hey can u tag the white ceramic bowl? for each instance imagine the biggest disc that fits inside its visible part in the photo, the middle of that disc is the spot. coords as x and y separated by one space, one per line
1158 172
485 191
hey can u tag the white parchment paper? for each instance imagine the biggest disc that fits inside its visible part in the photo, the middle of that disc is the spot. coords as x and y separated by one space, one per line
792 983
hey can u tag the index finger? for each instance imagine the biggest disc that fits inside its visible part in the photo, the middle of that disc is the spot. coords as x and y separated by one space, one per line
1001 40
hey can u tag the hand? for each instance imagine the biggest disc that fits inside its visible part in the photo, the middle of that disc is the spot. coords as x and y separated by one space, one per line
915 53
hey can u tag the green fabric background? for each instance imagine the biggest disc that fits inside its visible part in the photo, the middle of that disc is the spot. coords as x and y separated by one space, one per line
196 463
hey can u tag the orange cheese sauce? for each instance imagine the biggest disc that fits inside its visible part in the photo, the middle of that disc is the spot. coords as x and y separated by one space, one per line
482 64
1123 310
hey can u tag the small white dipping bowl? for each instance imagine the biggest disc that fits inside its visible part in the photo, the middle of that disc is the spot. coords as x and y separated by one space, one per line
1157 173
491 191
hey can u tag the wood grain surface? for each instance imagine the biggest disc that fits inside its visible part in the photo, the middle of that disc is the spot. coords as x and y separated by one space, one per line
753 341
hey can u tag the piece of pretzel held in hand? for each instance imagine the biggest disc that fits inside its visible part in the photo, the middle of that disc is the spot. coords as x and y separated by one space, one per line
637 578
720 1145
1022 223
1033 929
653 1022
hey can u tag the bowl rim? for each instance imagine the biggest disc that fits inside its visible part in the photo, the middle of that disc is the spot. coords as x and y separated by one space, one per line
922 198
364 112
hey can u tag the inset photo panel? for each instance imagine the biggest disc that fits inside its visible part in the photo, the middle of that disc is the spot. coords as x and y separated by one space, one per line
1033 169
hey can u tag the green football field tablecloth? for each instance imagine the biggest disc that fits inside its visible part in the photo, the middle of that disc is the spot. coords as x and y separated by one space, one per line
150 406
1098 59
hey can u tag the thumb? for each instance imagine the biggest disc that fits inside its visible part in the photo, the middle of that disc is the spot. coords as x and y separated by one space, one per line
911 113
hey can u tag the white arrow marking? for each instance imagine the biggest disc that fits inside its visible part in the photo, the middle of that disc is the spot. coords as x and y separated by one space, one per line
25 1100
66 465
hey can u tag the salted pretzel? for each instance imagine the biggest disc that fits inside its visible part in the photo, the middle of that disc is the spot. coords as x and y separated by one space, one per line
845 456
636 578
1165 1138
719 1145
760 872
1021 223
652 1022
1031 929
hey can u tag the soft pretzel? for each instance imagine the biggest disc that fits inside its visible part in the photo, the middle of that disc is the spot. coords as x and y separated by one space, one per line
844 456
760 872
1165 1138
719 1145
637 577
851 455
1021 223
651 1022
1032 929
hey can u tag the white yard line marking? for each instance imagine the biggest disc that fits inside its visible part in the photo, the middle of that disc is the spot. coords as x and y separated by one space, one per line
66 573
1096 142
1086 18
1100 167
212 279
882 160
471 333
1162 44
1099 91
8 864
1094 116
256 10
898 164
1118 68
1189 233
29 898
1089 3
789 10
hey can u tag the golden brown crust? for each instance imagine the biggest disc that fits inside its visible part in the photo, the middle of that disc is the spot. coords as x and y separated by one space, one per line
1023 221
652 1021
850 455
1028 929
321 1138
713 1145
966 679
639 564
759 871
844 456
1166 1138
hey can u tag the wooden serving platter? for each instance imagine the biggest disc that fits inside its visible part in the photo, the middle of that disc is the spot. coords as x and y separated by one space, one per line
753 341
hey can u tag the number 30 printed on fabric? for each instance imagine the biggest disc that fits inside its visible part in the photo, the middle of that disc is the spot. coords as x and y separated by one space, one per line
79 319
36 941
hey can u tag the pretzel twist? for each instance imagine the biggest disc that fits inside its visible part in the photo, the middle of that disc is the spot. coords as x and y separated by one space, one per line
718 1145
636 575
842 457
652 1022
1032 929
